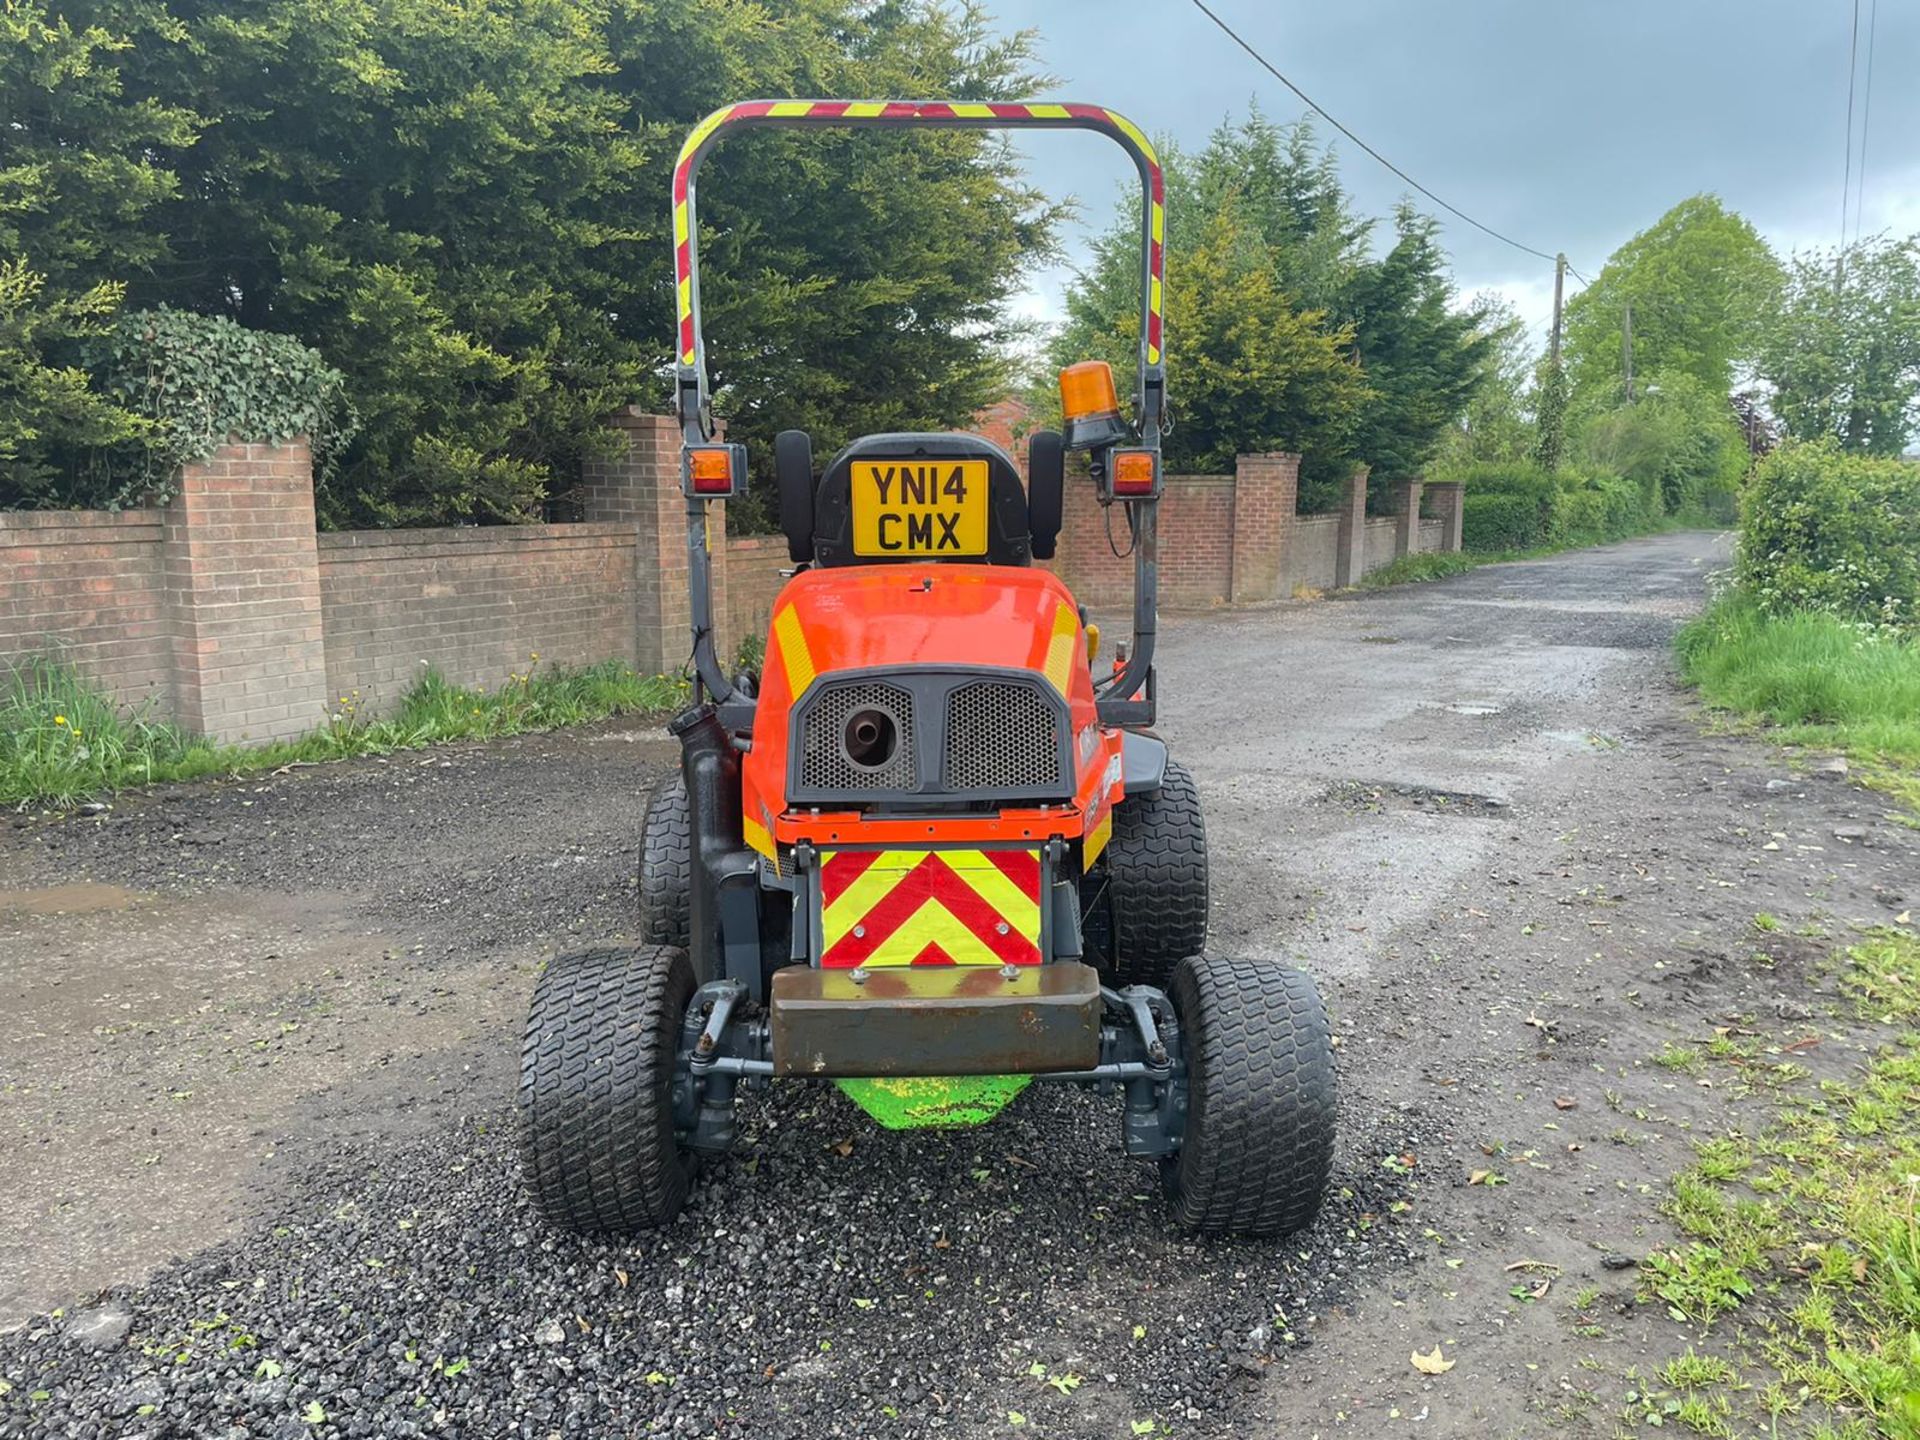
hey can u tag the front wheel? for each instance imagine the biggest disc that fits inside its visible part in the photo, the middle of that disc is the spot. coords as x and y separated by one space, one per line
597 1144
1151 912
666 863
1260 1098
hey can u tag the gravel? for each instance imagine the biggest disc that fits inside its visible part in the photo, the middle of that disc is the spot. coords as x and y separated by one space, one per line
917 1280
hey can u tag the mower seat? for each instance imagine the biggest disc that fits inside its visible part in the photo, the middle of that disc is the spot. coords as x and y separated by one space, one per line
916 503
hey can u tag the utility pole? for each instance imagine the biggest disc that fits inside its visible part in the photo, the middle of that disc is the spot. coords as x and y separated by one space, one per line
1626 346
1559 289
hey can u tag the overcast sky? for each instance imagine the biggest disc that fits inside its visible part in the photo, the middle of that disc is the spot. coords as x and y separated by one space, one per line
1568 126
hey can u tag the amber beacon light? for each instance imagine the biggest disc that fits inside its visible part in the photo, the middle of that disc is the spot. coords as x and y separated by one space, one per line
1090 406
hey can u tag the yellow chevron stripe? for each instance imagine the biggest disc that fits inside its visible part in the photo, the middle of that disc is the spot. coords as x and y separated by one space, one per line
865 109
1159 222
972 111
1097 838
680 224
686 298
1059 664
1132 132
868 891
789 108
1048 112
701 131
932 924
794 654
1020 910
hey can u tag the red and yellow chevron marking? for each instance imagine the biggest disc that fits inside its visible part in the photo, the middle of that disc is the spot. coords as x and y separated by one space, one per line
929 907
881 112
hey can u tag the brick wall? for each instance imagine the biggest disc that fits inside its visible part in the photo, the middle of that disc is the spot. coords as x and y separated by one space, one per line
476 603
230 615
89 587
753 564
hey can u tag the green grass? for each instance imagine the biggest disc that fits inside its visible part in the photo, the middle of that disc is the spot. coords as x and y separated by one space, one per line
1814 679
1410 569
1805 1236
62 742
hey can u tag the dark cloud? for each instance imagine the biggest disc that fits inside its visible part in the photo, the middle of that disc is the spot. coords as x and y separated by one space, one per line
1567 126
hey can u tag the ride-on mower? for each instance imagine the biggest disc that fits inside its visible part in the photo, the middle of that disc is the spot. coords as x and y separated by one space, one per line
927 852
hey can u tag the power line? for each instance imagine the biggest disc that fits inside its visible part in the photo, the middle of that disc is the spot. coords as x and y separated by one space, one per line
1308 101
1846 173
1866 121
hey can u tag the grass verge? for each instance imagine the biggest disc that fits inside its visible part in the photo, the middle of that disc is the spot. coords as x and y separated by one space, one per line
1411 569
62 742
1803 1239
1815 681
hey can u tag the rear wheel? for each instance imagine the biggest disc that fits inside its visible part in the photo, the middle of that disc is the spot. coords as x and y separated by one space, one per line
1260 1095
666 863
597 1144
1151 912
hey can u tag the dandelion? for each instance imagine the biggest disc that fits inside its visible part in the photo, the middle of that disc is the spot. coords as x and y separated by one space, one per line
59 719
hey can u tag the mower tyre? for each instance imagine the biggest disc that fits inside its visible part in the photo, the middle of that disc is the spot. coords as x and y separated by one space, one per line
1152 912
597 1144
666 863
1260 1096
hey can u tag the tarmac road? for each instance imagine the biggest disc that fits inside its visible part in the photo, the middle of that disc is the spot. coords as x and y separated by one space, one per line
259 1043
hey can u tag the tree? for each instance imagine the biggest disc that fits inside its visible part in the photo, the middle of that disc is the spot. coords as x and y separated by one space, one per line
1250 371
465 209
1263 208
45 405
1423 359
1680 443
78 184
1699 281
1494 425
1841 351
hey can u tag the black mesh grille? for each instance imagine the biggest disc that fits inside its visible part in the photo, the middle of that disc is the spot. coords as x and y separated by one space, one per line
824 762
1001 737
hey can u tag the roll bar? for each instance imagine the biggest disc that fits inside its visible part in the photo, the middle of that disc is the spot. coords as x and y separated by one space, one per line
693 402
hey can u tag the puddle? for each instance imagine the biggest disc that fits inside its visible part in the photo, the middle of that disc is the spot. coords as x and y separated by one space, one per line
1463 707
1391 795
1583 739
84 898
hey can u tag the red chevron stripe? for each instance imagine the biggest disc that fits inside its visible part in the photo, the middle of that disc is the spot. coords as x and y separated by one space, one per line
845 867
1020 866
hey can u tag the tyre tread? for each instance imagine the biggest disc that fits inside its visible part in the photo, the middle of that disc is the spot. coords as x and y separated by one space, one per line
597 1145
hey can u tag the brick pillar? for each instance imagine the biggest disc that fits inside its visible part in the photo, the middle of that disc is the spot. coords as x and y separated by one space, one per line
1350 559
1266 492
1447 496
1406 512
243 595
639 485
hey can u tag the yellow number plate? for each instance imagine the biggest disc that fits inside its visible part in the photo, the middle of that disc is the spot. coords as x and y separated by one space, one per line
920 507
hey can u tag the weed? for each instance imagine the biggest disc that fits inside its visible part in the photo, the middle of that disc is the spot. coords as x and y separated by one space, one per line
62 741
1697 1283
1695 1372
1678 1057
1411 569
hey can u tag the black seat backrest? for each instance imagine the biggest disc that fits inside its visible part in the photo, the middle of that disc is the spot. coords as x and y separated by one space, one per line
912 497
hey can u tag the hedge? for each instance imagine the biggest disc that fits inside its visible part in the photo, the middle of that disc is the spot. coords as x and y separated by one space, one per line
1522 507
1825 530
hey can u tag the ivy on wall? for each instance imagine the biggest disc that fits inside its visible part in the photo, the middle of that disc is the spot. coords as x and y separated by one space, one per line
203 379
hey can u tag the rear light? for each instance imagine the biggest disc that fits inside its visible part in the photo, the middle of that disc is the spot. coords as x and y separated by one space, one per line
1134 474
714 472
